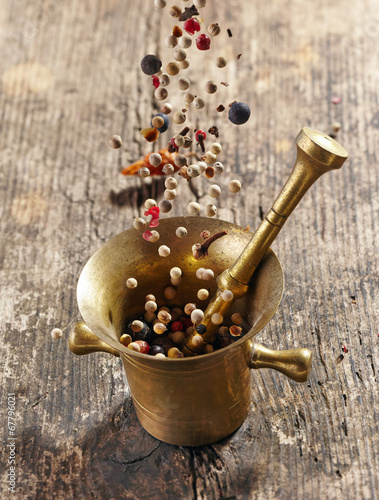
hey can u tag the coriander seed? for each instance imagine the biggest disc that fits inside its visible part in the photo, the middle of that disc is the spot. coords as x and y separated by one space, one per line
181 232
56 333
136 325
169 293
170 183
202 294
139 224
131 283
214 29
115 141
174 353
159 328
188 308
193 208
164 251
210 87
172 68
234 186
214 191
197 340
155 159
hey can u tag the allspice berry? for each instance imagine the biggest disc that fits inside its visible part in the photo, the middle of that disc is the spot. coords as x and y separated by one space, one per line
172 68
214 29
115 141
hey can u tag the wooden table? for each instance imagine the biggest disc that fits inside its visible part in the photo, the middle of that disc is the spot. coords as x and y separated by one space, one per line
70 78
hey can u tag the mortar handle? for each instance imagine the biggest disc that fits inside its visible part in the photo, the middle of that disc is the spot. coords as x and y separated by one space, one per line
296 364
82 341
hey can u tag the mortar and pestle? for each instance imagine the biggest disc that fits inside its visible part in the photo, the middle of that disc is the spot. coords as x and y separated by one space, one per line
199 399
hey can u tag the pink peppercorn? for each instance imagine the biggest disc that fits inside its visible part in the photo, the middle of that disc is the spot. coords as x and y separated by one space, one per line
203 42
177 326
200 135
191 25
145 348
156 81
154 212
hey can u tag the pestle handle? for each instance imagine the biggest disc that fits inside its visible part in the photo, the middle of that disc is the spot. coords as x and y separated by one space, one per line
317 153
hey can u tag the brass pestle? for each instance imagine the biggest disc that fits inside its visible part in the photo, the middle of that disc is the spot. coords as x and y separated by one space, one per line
317 153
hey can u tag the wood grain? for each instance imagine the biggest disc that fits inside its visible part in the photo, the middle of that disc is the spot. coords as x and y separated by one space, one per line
71 78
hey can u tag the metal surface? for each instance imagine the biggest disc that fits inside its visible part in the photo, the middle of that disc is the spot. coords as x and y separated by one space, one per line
317 154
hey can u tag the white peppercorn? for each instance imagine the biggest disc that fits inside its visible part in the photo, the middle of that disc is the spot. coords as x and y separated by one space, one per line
199 3
180 160
214 29
208 274
133 346
165 206
175 11
214 190
197 316
115 141
210 87
181 232
164 251
202 165
221 62
139 224
143 172
176 281
164 79
216 148
193 208
219 167
179 140
136 326
234 186
198 103
160 355
150 203
179 117
183 83
150 296
170 183
172 68
150 306
169 293
171 41
180 54
170 194
217 318
189 97
227 295
56 333
200 273
193 171
185 41
157 122
211 210
184 64
131 283
154 236
168 169
237 318
155 159
176 272
209 157
188 308
166 108
202 294
160 4
161 93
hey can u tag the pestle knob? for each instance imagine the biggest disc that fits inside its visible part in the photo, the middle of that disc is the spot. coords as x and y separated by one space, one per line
83 341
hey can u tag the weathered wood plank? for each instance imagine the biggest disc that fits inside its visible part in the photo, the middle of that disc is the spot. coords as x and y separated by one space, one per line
70 78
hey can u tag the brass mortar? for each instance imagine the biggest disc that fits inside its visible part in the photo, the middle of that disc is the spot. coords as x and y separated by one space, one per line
201 399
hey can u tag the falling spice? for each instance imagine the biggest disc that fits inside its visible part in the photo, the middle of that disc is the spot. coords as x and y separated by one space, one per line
200 250
230 34
188 13
220 108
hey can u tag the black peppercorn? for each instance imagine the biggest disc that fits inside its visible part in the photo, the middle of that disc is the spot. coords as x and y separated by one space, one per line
201 329
151 64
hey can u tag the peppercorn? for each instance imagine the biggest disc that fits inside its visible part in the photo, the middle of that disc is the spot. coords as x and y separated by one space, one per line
184 64
178 337
151 64
171 41
216 148
217 318
210 210
166 108
179 118
165 206
170 183
209 157
179 141
227 295
161 93
201 329
174 353
200 273
209 172
203 42
219 167
234 186
336 126
175 11
134 346
193 171
180 160
125 339
155 159
193 208
149 317
160 4
150 306
170 194
189 97
197 316
185 42
164 251
159 328
220 108
239 113
180 55
202 165
214 29
155 350
235 331
198 103
221 62
214 191
208 349
199 3
197 340
181 232
208 274
183 83
188 308
143 172
168 169
154 236
157 122
187 141
150 296
139 224
183 173
176 272
191 26
211 87
115 141
131 283
202 294
56 333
